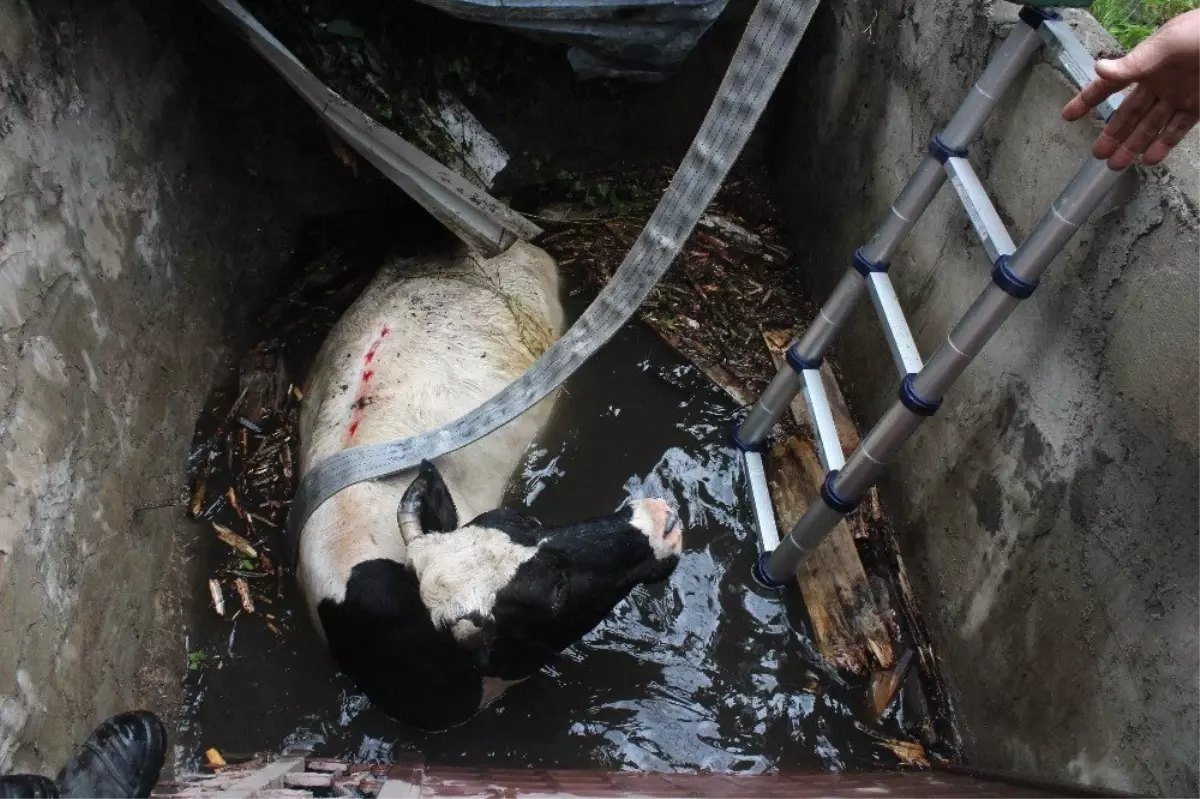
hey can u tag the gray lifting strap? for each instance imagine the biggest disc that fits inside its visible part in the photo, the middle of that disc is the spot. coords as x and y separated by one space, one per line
771 37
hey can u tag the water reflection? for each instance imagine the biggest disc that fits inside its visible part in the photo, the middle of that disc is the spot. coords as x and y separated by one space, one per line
701 672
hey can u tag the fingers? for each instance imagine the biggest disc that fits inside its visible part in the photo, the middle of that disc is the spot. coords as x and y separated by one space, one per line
1171 135
1143 135
1133 108
1089 97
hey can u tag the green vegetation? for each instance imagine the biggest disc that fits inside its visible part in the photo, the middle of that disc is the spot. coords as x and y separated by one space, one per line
1131 21
197 659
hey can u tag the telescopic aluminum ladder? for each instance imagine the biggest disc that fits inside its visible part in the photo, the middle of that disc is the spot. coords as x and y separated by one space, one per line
1015 275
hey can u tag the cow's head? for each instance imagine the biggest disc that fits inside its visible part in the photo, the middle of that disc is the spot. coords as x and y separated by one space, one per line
515 592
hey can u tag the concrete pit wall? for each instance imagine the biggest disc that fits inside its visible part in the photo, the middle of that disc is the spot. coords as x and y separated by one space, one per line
148 195
1049 510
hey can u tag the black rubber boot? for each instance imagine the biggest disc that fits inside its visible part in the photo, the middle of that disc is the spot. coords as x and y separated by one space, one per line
33 786
121 758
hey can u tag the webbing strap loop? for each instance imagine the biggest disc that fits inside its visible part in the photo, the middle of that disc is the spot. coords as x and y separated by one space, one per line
771 36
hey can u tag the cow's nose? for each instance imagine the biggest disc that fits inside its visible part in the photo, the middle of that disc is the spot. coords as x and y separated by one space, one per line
664 523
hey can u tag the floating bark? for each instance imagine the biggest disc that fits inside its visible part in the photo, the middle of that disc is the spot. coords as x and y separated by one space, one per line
234 540
243 589
231 495
218 597
198 495
910 753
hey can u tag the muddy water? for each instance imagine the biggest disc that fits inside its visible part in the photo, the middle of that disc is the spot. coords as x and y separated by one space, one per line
703 672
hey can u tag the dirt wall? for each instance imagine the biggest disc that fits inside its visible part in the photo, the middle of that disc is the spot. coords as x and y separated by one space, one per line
1050 508
148 194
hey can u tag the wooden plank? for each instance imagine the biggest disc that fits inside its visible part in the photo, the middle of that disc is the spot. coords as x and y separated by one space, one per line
777 343
718 374
849 629
937 727
848 625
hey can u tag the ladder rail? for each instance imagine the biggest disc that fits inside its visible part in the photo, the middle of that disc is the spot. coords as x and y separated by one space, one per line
807 353
1015 275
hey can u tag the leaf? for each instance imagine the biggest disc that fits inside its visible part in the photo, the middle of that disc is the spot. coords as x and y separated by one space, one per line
343 27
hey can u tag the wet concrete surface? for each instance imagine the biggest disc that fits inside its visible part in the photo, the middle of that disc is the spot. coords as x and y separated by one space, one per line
704 672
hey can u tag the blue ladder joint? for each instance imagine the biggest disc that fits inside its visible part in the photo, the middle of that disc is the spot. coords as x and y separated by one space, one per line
1015 275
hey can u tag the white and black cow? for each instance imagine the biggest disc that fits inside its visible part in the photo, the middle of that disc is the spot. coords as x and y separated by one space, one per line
432 617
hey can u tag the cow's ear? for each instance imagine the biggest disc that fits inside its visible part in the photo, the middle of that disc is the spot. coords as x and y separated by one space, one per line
438 514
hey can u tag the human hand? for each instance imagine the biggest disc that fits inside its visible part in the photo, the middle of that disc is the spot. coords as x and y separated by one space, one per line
1166 103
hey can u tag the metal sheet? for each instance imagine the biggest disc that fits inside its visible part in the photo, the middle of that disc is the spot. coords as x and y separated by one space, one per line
640 39
1074 59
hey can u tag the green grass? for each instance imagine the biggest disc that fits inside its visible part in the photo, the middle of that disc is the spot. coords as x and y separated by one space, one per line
1131 21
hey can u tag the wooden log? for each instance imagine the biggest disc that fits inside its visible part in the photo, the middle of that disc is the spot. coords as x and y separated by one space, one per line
850 631
777 343
718 374
848 625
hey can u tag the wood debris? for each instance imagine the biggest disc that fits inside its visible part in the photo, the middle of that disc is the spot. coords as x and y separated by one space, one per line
243 589
911 753
733 276
884 685
218 596
234 540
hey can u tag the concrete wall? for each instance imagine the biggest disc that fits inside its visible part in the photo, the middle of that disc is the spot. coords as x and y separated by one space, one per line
1050 508
146 202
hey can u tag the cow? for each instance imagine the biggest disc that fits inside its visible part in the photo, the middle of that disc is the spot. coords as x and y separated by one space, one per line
429 596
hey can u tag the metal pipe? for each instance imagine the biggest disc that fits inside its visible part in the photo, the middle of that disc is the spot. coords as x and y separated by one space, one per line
1012 57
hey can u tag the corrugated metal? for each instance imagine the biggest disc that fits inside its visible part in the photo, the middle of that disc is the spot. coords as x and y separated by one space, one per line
609 38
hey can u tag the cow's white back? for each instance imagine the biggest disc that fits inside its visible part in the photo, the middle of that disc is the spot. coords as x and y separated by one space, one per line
428 341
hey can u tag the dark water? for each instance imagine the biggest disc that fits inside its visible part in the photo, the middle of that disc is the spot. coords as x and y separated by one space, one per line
706 671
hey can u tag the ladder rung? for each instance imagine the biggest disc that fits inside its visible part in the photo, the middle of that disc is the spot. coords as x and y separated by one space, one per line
984 218
829 447
895 326
1076 61
760 496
